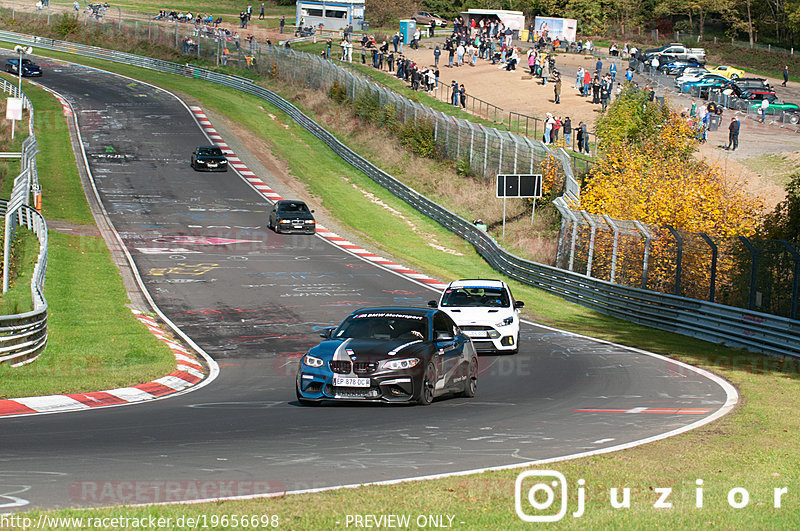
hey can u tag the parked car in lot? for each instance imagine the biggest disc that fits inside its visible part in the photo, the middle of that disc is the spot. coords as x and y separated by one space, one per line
29 68
424 18
292 216
708 81
727 72
399 355
778 107
747 83
752 94
677 65
209 158
486 311
676 50
689 74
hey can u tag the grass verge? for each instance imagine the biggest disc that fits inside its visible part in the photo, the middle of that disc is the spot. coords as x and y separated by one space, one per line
94 341
752 449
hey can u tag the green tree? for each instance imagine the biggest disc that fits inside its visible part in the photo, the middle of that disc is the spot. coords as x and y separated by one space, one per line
783 223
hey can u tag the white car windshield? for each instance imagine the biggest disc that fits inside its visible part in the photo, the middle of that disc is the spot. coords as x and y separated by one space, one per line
492 297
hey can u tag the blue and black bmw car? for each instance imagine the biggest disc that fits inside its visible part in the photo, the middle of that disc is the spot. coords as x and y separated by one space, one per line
389 355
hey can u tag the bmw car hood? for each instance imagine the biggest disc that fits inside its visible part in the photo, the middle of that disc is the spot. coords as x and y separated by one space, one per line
468 316
367 349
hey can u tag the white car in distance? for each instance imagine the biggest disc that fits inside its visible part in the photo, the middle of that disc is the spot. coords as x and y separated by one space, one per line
485 311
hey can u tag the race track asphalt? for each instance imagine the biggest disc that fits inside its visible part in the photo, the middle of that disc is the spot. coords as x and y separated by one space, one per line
255 306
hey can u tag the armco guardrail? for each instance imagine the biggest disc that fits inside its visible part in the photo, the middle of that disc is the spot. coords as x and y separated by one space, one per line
24 336
711 322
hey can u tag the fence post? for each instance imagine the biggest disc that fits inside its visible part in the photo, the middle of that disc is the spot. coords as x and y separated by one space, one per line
593 225
646 258
713 282
616 246
751 297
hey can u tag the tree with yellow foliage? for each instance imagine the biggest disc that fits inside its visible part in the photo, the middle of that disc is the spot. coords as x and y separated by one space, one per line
646 171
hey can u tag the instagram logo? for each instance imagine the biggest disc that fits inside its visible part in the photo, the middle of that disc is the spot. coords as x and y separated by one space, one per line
541 499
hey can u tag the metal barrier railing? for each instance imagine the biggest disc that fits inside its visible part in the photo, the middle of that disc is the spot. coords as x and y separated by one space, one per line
708 321
24 336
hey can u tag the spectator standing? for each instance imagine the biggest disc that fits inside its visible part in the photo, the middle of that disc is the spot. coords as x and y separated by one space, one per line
579 80
585 133
764 107
545 72
395 40
598 67
451 51
548 128
432 29
283 23
462 92
613 70
733 134
785 75
587 83
436 53
261 12
454 98
557 88
460 54
566 125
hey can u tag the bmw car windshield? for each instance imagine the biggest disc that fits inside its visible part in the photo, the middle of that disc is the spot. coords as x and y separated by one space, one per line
293 208
210 152
479 297
383 326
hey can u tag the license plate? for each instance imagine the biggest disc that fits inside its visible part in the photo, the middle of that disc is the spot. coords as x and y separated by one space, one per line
297 226
350 381
475 333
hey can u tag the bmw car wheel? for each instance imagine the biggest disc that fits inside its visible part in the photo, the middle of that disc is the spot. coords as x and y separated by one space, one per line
428 386
471 385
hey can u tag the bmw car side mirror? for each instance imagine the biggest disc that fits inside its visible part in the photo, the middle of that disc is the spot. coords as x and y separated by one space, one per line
519 304
441 335
432 304
326 332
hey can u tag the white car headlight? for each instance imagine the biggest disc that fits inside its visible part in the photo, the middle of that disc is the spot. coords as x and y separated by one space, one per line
505 322
312 361
394 365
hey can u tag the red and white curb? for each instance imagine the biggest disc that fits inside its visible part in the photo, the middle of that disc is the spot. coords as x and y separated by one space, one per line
189 372
65 106
235 162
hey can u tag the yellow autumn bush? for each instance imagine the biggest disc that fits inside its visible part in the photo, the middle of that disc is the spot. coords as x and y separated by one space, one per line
646 172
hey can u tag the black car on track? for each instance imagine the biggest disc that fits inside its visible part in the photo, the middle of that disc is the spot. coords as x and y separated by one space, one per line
393 355
292 216
29 68
209 158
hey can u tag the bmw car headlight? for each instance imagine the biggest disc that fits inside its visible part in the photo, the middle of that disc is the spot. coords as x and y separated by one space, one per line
309 222
312 361
505 322
395 365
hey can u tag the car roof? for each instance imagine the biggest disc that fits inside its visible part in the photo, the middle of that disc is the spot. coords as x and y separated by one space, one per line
290 202
477 283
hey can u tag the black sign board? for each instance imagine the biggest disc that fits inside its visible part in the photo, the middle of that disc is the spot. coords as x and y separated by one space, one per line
519 186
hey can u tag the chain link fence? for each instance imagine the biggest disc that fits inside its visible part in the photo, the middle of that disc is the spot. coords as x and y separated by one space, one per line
759 275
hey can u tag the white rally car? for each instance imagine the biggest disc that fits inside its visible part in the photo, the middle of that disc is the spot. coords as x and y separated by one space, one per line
485 311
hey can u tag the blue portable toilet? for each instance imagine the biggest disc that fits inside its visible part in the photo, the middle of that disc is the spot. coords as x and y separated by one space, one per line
407 29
